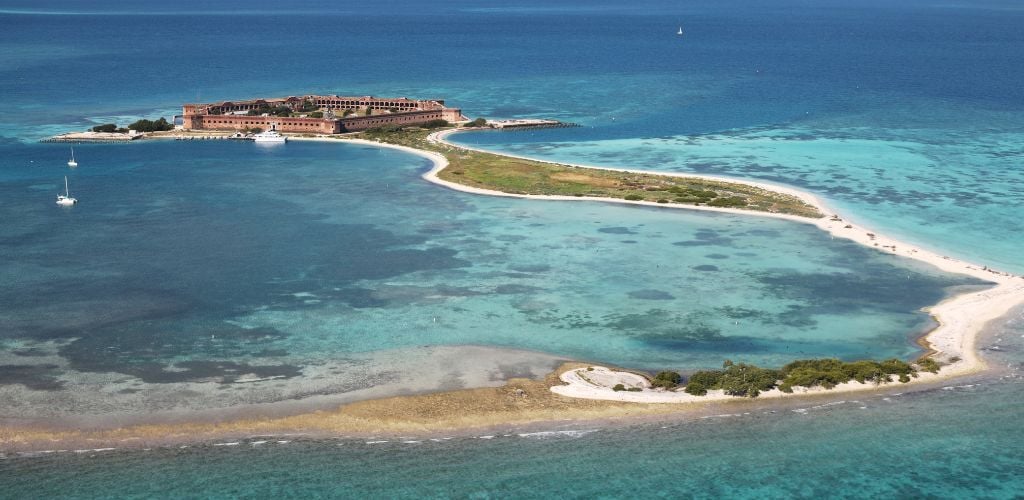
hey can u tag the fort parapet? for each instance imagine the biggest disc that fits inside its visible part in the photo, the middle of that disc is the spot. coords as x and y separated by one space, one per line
255 113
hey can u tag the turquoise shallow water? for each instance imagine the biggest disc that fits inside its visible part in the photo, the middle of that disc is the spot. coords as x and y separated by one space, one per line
958 441
174 273
217 275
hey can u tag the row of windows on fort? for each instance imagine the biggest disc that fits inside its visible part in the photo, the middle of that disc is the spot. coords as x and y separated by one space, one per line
372 104
322 103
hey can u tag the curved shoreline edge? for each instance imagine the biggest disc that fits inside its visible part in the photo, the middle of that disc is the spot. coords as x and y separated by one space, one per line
960 318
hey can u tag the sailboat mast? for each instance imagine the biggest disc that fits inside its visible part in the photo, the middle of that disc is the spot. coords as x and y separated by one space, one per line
66 191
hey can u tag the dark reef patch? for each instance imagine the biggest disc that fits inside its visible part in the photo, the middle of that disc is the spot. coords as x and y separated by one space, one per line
530 268
616 230
34 377
651 295
516 289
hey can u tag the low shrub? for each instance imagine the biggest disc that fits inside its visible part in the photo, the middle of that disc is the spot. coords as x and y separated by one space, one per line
928 365
666 379
619 387
633 197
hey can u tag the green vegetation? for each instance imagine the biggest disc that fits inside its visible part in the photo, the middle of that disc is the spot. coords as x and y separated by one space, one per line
316 114
520 176
928 365
734 379
749 380
479 122
106 127
307 106
619 387
666 379
151 126
435 124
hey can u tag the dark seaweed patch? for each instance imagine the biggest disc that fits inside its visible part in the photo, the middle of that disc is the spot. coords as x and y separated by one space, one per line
651 295
34 377
616 230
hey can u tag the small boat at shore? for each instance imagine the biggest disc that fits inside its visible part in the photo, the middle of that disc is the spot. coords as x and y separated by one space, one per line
271 136
65 200
72 163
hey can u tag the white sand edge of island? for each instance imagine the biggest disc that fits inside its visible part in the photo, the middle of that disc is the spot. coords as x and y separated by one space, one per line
960 318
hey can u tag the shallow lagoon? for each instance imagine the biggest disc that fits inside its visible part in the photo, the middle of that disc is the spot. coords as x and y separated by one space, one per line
316 269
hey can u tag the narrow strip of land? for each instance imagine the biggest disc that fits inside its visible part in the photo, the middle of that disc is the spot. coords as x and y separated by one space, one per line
960 318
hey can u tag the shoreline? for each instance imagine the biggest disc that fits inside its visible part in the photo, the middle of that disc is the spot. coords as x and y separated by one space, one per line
960 320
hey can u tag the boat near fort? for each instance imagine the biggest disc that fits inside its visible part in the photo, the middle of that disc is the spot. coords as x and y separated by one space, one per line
270 137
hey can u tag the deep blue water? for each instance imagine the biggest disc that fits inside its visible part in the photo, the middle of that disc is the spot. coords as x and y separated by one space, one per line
190 270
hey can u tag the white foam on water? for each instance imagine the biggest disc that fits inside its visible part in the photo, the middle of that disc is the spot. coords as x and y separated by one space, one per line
254 443
485 437
234 443
376 442
551 434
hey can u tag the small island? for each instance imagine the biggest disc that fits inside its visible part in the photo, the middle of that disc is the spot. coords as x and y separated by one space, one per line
421 127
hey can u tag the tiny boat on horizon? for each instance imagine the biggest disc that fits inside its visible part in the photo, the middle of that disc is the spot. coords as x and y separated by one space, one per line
72 163
65 200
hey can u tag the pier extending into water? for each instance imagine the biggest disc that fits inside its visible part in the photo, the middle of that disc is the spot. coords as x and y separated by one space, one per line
528 123
95 137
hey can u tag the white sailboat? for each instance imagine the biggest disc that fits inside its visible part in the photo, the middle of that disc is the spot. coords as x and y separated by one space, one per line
680 32
72 163
65 200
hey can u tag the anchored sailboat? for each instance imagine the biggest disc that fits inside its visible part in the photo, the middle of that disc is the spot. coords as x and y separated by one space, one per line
65 200
72 163
680 32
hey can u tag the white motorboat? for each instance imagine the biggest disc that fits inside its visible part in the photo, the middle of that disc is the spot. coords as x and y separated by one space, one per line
72 163
65 200
270 136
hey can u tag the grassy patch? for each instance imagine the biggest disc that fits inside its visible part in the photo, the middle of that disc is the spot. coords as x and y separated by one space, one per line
520 176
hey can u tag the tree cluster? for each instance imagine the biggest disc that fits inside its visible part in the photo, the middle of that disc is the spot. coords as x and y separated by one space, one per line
748 380
151 125
666 379
106 127
438 123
